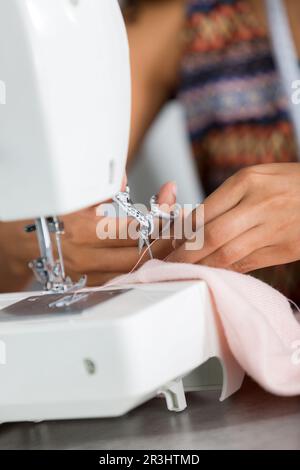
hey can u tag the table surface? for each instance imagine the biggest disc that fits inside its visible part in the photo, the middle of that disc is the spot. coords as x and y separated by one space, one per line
251 419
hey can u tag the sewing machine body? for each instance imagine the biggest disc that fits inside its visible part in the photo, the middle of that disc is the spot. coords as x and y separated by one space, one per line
64 128
108 359
64 134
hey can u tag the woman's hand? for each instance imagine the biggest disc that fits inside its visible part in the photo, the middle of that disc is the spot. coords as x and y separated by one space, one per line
252 221
84 252
103 259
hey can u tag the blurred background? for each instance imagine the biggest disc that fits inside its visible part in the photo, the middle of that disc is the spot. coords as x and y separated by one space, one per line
166 155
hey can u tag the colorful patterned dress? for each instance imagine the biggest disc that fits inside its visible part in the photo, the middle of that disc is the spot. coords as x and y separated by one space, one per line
236 110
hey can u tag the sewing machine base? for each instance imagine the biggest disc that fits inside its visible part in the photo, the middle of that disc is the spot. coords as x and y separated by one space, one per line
106 357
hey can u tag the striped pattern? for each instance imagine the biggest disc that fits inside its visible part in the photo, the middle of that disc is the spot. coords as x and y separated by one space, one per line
236 109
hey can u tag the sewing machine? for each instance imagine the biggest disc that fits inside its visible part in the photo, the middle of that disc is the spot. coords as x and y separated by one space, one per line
69 351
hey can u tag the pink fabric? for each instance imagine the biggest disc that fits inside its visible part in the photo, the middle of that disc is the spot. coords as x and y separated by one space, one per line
260 327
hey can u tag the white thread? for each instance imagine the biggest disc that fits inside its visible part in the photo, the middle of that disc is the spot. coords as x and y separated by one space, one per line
112 284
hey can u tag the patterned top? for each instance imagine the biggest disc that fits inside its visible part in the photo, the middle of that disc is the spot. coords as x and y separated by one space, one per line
236 109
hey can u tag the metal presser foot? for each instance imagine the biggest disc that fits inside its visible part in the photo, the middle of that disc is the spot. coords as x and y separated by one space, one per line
146 221
49 272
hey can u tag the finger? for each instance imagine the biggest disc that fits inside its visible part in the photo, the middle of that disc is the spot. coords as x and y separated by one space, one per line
124 182
167 194
238 248
92 228
161 248
117 232
217 233
166 200
262 258
227 196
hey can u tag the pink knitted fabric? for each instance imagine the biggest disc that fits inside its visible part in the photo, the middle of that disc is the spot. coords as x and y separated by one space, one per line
260 327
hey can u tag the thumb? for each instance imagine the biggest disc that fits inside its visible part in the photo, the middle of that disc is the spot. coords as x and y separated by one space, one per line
124 182
167 194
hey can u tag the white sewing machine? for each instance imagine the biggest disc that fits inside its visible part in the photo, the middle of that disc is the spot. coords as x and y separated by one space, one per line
63 144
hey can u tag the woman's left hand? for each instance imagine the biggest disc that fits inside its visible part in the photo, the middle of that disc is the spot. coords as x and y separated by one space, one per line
252 221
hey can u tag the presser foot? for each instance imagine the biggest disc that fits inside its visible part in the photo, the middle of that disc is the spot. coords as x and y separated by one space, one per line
48 271
51 279
146 221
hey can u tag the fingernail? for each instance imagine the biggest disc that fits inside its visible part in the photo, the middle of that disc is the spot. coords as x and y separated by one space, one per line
174 188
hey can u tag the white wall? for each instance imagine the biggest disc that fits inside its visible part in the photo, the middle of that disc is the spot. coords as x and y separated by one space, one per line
166 156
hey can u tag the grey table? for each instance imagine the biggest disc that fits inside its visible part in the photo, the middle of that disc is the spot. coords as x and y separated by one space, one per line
251 419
